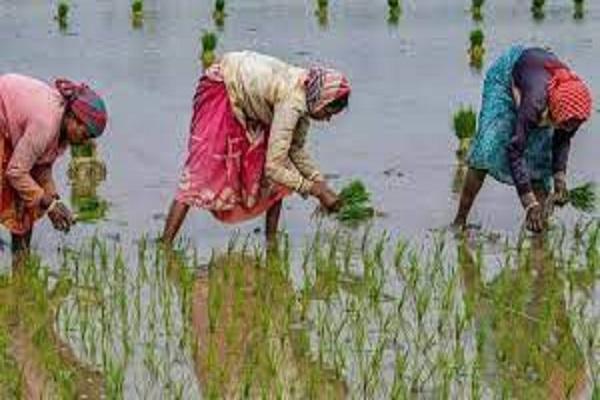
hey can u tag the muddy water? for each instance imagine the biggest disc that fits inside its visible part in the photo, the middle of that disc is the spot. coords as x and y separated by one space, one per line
407 82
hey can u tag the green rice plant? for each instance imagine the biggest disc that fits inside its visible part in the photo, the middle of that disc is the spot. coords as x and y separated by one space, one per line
219 13
62 14
137 13
464 123
584 197
394 11
209 44
476 49
356 203
579 9
476 11
322 13
537 9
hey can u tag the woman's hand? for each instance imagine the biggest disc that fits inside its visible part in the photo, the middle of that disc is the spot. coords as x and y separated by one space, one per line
59 214
535 215
560 196
328 198
536 219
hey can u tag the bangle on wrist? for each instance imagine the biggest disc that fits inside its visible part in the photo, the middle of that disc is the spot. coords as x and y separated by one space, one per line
52 205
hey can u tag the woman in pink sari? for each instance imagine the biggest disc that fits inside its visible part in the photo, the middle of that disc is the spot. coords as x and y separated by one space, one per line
246 145
37 123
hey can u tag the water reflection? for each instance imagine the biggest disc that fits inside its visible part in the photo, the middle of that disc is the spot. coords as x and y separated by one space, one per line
526 346
247 337
86 172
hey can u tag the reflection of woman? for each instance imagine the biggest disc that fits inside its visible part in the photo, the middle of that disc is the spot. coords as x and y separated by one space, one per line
242 320
522 316
532 106
37 122
251 117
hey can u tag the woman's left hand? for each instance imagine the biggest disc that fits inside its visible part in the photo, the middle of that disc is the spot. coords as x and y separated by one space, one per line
561 193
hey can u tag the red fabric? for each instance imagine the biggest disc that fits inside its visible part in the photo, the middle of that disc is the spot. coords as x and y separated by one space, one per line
568 96
14 214
224 172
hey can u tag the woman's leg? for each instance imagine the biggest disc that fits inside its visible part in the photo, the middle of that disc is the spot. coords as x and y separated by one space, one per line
20 246
473 183
177 213
272 224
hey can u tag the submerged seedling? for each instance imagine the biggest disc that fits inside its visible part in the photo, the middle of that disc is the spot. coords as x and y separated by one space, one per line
477 49
209 44
62 14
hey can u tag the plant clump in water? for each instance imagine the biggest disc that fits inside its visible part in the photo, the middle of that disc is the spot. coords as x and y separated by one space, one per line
322 12
62 14
477 49
465 125
584 197
86 172
137 13
395 11
356 203
219 13
579 9
476 11
209 44
537 9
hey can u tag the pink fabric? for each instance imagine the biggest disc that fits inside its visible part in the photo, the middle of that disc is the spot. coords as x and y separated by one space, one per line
223 172
30 119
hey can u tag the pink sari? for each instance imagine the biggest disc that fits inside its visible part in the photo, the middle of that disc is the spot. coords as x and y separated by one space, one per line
224 171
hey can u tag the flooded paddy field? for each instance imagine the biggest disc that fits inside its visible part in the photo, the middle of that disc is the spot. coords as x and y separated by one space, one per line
396 309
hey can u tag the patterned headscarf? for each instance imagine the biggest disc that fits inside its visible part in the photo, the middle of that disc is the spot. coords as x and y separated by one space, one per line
86 104
568 96
324 86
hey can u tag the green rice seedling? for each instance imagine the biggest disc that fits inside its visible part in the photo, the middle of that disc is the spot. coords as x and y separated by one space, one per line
322 13
476 11
464 123
209 44
356 203
477 48
394 11
537 9
219 13
584 197
137 13
579 9
62 14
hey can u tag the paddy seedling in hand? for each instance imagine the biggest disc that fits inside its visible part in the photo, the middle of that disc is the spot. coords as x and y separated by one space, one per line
394 11
584 197
579 9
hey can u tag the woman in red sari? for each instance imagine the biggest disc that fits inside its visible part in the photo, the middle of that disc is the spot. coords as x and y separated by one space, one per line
246 146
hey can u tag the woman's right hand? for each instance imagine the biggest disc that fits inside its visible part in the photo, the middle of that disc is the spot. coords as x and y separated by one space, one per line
59 214
327 197
535 218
